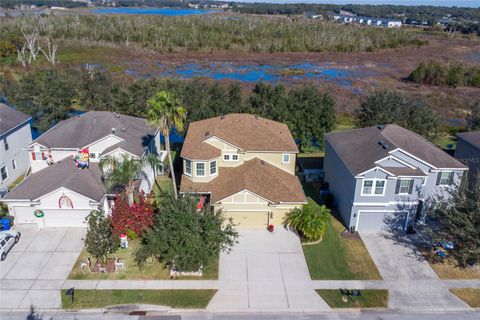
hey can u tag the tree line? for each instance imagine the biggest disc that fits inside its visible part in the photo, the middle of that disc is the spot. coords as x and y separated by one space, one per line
210 33
453 74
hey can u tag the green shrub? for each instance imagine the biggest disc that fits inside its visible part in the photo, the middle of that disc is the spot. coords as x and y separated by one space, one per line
451 74
311 220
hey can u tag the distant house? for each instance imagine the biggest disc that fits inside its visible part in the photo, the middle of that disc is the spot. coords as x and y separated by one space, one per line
383 177
15 134
367 20
243 165
66 181
468 151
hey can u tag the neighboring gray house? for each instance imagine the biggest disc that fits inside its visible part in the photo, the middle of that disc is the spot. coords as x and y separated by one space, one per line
468 151
15 134
382 176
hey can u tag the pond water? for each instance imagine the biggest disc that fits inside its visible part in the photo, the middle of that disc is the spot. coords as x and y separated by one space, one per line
153 11
252 73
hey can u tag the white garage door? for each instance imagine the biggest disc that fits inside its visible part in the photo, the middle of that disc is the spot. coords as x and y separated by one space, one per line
381 220
24 215
65 218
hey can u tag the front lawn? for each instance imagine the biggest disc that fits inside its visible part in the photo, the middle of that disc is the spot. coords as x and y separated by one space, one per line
447 268
163 183
152 270
104 298
336 257
470 295
367 299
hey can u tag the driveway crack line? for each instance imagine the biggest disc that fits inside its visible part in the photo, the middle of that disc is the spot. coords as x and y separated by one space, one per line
283 279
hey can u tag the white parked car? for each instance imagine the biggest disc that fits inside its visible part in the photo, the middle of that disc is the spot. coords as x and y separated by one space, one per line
7 239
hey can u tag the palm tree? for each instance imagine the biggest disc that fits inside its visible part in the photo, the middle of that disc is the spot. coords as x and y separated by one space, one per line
311 220
122 173
166 112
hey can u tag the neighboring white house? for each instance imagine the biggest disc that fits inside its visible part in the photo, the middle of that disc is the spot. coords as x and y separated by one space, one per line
66 181
15 134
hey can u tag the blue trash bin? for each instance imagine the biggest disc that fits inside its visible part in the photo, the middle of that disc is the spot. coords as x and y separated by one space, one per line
5 223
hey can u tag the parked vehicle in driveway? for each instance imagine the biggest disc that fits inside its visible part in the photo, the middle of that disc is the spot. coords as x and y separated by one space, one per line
7 240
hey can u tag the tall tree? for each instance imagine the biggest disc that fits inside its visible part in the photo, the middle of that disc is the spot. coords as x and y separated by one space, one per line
185 238
100 240
386 107
458 217
122 174
166 112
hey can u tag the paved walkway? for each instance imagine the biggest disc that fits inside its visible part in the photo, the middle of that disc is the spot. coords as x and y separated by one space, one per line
265 271
412 283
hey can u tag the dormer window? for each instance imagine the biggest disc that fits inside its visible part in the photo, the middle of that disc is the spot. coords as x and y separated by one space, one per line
230 157
226 157
286 158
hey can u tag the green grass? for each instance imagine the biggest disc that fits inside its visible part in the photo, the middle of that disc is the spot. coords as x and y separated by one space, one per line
153 270
345 122
163 183
444 140
81 55
367 299
335 257
172 298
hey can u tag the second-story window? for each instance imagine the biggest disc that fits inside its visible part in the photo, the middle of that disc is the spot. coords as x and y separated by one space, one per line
213 167
373 187
4 173
5 144
230 157
404 186
445 178
188 167
285 158
234 157
200 169
226 157
14 164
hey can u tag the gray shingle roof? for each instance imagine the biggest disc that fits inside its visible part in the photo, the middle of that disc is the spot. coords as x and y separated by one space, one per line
80 131
360 148
471 137
10 118
64 173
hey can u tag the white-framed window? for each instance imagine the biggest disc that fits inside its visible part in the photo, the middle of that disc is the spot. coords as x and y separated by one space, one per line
373 187
230 157
445 178
92 155
404 186
200 169
14 164
188 167
4 173
213 167
5 144
286 158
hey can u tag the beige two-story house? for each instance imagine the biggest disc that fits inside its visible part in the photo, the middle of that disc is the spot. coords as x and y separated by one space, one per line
244 165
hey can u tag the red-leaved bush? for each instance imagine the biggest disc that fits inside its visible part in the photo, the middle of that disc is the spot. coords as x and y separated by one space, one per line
137 217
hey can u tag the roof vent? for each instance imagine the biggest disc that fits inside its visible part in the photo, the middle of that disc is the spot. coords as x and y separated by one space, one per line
123 129
222 117
207 133
113 130
385 146
117 115
381 127
381 142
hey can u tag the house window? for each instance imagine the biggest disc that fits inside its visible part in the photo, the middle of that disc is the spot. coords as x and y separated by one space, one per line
445 178
230 157
379 187
226 157
4 173
188 167
404 186
5 144
93 155
373 187
234 157
213 167
14 164
200 169
285 158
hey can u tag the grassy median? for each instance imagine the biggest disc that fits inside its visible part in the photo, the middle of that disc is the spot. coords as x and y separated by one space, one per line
470 295
367 299
85 299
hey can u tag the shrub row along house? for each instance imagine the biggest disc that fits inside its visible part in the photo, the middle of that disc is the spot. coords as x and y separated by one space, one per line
380 177
66 181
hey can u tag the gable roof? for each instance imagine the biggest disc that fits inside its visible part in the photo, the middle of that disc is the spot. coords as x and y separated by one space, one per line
472 138
10 118
254 175
360 148
245 131
64 173
82 130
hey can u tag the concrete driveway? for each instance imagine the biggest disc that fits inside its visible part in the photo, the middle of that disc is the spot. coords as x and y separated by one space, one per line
37 266
409 277
265 271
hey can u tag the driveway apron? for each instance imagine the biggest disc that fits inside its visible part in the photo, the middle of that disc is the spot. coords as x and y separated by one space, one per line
408 275
265 271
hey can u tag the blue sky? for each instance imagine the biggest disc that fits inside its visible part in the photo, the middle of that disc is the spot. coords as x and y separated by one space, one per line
446 3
